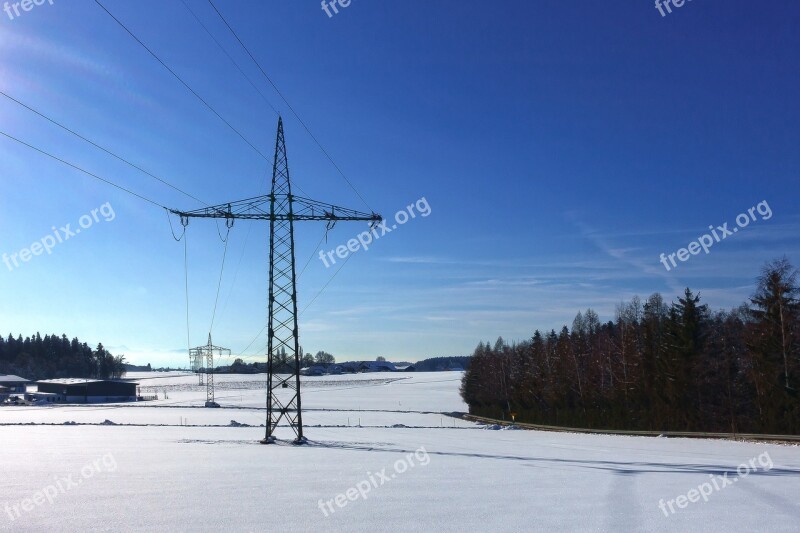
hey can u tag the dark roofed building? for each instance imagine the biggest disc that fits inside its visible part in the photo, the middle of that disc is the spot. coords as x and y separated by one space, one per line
315 370
13 383
89 390
356 367
378 366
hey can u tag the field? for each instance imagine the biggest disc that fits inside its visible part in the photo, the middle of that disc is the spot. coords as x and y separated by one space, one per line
383 455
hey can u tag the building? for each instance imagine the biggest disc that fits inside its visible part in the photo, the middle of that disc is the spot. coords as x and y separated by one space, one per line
316 370
13 383
86 390
377 366
321 369
357 367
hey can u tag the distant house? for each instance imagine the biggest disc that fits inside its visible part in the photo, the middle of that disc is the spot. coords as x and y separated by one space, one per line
349 367
13 383
379 366
316 370
357 367
374 366
86 390
321 369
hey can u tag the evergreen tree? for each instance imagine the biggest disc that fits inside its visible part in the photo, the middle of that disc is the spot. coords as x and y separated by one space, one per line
773 344
655 367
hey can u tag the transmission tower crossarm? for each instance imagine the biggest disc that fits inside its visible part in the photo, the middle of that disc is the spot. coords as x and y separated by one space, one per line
258 208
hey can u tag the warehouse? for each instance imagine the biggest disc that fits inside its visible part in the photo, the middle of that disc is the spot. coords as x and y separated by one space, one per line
87 390
13 383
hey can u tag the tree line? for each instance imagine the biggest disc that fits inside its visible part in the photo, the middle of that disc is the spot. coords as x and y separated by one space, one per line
51 357
438 364
656 366
281 363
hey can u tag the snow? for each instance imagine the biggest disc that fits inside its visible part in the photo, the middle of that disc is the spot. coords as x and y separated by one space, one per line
172 465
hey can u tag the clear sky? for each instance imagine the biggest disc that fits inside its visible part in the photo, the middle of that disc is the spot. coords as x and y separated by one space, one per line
561 146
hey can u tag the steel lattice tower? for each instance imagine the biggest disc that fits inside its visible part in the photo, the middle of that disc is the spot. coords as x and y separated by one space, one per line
283 391
282 323
201 353
196 362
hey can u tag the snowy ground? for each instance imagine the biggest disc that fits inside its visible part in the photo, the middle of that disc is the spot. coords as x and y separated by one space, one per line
171 465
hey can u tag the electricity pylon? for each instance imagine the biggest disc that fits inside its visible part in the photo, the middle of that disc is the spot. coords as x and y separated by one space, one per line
283 391
196 362
206 353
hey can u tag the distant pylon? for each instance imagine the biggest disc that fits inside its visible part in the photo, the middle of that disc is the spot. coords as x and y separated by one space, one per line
206 353
196 363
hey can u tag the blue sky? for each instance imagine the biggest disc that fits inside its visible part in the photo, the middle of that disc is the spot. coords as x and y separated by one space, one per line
561 146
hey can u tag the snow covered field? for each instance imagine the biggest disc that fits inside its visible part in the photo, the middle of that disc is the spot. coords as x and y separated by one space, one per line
172 465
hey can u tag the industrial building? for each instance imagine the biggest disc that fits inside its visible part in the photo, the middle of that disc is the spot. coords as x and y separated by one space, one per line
13 383
71 390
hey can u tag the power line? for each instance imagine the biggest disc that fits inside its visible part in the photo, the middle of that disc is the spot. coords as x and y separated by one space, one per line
325 286
219 284
289 105
219 45
306 307
76 167
242 356
236 272
186 286
241 257
239 68
109 152
181 80
313 253
171 229
253 341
